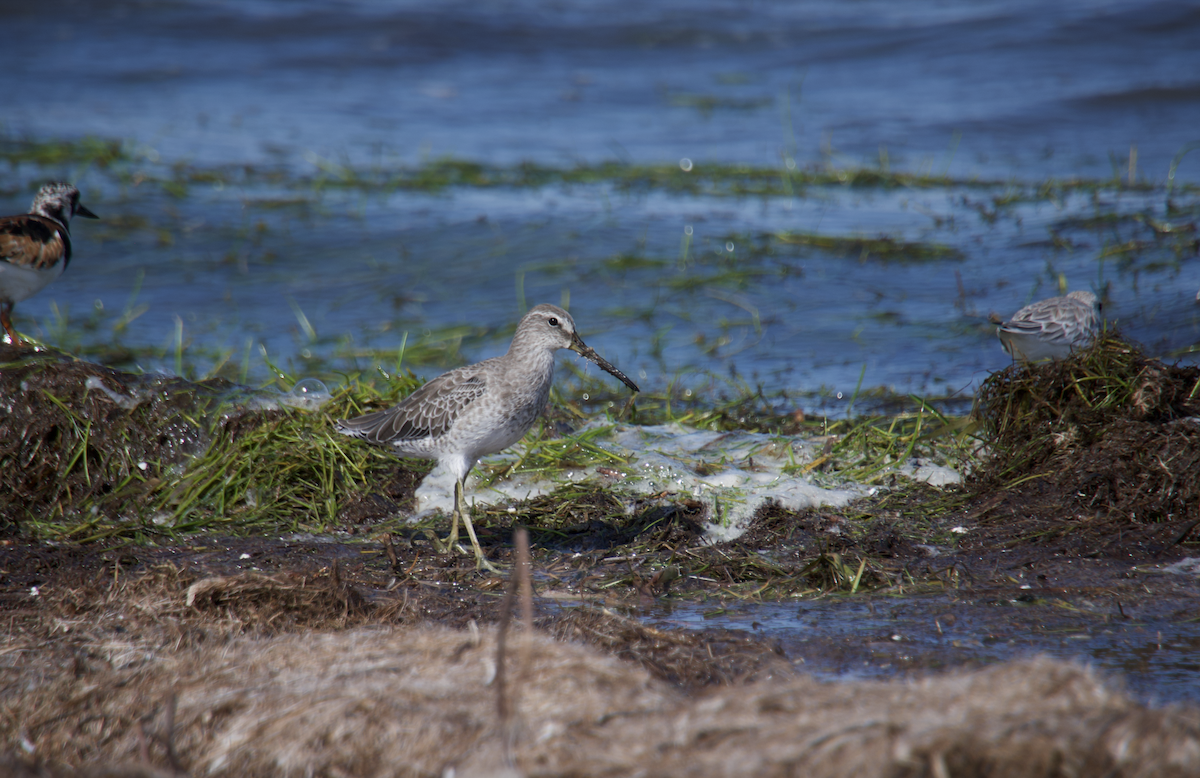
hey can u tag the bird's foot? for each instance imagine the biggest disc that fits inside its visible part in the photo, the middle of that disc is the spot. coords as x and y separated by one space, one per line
451 545
481 563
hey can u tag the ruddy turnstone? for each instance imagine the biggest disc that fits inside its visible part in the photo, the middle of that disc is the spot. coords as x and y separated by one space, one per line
1051 328
35 248
479 409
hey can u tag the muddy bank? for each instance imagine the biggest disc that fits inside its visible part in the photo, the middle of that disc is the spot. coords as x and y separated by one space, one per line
1085 482
180 650
1090 458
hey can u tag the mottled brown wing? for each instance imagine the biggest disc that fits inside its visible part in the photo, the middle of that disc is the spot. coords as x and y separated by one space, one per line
32 242
428 412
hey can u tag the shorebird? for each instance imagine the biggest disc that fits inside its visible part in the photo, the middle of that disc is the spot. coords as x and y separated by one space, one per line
35 247
479 409
1051 328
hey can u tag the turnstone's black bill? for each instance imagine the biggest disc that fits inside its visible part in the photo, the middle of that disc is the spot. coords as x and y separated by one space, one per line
35 248
479 409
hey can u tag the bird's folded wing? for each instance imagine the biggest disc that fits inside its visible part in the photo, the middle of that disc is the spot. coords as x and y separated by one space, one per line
30 242
428 412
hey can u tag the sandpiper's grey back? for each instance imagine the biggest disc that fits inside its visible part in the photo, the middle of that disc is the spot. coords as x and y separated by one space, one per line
1051 328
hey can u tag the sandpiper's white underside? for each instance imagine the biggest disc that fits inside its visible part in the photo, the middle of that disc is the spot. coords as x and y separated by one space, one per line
1051 328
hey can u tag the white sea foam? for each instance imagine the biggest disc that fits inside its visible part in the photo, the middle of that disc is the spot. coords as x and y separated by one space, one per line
309 395
731 473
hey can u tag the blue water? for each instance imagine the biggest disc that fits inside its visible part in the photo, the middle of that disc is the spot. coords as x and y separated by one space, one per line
1013 92
1151 654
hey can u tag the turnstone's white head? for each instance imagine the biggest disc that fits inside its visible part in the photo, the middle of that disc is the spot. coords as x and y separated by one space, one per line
59 201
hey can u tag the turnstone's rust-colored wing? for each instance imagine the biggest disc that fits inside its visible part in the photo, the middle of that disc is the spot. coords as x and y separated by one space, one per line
33 242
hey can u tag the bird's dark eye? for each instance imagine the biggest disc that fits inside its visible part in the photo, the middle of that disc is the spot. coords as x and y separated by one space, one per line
553 322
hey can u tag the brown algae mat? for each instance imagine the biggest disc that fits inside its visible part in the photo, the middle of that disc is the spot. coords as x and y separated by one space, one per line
268 650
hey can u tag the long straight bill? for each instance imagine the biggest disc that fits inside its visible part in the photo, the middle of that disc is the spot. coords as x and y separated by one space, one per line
585 350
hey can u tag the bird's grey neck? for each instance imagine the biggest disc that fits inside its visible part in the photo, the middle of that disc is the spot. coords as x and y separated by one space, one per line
532 355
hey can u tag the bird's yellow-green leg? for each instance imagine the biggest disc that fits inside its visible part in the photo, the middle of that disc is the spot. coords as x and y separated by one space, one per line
460 509
460 503
447 546
452 539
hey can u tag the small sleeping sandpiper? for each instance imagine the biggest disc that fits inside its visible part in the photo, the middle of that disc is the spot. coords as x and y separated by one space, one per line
35 248
1051 328
479 409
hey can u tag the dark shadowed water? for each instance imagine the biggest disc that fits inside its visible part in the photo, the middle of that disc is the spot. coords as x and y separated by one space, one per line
1148 648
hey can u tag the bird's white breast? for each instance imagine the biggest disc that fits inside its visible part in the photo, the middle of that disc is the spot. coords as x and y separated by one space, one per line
18 283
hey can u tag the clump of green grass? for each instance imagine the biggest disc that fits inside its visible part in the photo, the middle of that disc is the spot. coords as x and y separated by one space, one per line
284 469
548 454
1097 429
88 452
868 449
82 447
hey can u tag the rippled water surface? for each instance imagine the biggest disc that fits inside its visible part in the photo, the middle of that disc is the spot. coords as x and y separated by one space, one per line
662 282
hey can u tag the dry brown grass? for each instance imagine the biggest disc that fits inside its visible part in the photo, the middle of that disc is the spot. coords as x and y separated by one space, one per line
140 683
393 702
370 701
